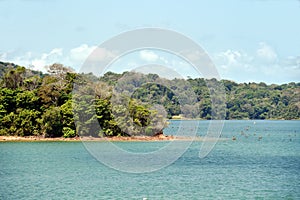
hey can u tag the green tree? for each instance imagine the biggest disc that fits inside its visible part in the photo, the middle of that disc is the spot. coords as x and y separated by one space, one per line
14 77
67 116
51 122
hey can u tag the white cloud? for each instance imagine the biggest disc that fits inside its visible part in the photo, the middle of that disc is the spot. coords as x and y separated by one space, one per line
229 57
56 51
79 54
149 56
72 58
194 56
293 61
34 61
3 56
45 59
163 60
102 55
266 53
233 59
262 66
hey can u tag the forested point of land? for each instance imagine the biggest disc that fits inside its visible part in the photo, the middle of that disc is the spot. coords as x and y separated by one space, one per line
33 103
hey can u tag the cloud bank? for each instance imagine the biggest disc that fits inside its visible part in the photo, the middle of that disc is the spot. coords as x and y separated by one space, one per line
72 58
261 65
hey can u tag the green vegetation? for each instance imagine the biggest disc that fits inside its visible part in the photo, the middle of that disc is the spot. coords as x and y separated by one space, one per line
33 103
46 105
191 98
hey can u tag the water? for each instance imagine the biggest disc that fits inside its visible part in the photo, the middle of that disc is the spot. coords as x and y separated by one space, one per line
262 163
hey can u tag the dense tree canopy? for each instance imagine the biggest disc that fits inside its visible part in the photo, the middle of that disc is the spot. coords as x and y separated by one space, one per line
47 106
243 100
32 103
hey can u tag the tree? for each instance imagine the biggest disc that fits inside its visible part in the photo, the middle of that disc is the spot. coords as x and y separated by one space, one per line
68 123
14 77
51 122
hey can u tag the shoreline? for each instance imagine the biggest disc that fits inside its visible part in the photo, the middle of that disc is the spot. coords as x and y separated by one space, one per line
108 139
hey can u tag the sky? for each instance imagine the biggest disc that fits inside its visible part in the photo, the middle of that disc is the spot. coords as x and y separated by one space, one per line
247 40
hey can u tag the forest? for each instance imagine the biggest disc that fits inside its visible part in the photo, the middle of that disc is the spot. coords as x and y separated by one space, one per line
62 103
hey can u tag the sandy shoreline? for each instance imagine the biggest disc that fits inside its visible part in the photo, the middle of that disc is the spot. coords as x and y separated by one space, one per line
121 139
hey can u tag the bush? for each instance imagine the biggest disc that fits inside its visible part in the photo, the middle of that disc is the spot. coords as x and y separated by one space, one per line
68 132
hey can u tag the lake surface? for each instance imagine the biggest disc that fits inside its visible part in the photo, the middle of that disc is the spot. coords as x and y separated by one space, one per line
262 163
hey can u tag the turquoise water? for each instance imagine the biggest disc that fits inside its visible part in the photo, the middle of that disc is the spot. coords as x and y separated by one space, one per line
262 163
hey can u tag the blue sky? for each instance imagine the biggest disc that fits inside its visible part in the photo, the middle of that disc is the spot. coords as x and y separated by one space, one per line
248 40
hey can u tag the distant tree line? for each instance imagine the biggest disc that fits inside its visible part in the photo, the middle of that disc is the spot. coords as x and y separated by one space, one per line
37 104
243 100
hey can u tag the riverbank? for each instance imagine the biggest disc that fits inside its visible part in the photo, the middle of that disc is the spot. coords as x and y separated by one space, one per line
121 139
